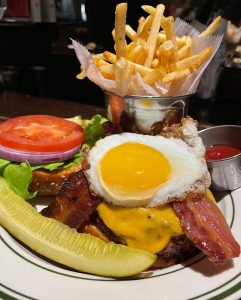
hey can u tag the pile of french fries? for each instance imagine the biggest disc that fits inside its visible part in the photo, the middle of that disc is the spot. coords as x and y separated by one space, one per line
153 50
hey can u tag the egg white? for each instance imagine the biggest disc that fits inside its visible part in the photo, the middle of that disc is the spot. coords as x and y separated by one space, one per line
187 167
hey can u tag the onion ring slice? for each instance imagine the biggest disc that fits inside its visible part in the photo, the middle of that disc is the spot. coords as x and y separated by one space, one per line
36 157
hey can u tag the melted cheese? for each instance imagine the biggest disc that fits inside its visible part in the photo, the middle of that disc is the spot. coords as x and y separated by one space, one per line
149 229
210 195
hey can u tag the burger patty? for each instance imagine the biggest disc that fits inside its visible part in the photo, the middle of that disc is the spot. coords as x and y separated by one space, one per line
179 249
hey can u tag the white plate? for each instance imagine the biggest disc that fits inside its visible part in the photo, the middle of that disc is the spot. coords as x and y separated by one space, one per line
24 275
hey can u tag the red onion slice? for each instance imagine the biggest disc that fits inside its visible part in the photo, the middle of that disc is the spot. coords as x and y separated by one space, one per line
36 157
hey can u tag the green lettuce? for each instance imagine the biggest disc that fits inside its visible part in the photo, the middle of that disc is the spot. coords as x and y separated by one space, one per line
94 131
3 164
59 165
19 177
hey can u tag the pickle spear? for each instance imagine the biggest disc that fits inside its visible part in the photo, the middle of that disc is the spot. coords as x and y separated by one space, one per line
64 245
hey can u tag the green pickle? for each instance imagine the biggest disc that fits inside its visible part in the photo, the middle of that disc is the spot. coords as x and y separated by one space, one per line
64 245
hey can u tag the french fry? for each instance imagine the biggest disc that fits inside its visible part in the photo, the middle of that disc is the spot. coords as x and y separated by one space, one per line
130 32
176 75
168 26
134 53
130 47
184 52
205 54
146 28
161 38
99 55
155 63
192 62
120 22
81 75
111 57
107 71
99 61
167 49
180 42
149 9
131 69
141 23
212 27
164 62
142 57
154 76
188 41
152 38
171 66
121 74
142 69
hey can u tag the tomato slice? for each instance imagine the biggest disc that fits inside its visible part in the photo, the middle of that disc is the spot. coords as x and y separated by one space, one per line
40 133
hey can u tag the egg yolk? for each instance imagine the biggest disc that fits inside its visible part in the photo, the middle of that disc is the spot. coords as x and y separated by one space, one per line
133 171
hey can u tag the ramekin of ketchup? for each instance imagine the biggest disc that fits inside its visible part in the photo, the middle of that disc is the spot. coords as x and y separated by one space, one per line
223 156
216 152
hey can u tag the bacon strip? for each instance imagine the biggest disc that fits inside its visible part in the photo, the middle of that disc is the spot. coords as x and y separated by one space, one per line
206 227
74 203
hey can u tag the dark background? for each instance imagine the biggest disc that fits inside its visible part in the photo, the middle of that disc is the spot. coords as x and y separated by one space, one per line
35 58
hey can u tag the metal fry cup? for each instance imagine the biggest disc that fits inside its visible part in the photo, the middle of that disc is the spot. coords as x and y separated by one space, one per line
225 173
142 114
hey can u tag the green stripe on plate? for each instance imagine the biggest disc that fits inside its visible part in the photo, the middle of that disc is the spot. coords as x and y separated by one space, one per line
8 297
228 292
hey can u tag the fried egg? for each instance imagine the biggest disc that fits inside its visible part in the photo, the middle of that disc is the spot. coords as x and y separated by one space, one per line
133 170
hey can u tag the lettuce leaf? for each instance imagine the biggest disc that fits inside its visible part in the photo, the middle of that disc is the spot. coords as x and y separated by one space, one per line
94 131
49 166
19 177
76 159
3 164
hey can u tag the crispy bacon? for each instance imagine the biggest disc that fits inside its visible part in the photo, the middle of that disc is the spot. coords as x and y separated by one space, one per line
74 203
206 227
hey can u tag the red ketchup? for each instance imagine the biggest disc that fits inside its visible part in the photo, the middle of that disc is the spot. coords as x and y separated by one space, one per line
216 152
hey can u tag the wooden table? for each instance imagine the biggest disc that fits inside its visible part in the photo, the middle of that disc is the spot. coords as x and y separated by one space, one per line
14 104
